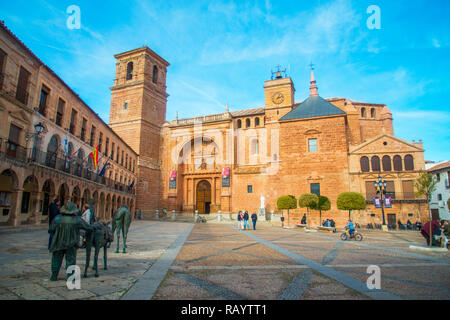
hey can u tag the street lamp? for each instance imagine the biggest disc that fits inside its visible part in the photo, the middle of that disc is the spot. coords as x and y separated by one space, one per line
380 187
39 128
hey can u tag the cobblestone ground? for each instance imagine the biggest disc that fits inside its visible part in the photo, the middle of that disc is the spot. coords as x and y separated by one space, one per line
173 260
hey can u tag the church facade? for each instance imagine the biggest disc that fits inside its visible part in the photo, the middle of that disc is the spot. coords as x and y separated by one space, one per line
237 159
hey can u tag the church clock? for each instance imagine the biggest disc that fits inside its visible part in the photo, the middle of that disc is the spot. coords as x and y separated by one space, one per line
277 97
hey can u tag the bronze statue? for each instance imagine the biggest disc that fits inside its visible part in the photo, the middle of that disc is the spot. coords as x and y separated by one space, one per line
121 222
65 228
101 237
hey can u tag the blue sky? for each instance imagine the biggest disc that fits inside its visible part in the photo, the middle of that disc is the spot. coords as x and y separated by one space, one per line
222 52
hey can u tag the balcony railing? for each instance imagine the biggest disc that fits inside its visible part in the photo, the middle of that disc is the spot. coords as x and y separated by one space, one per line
395 196
53 160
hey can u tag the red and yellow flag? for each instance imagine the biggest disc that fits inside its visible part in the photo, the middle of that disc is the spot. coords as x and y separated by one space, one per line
94 157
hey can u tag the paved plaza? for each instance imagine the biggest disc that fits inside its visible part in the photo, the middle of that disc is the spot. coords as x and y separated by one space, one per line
179 260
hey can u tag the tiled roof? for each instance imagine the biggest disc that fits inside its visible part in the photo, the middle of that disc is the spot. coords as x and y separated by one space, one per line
312 107
440 166
248 112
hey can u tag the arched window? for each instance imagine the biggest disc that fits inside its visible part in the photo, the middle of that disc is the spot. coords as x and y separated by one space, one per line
375 161
363 112
409 162
239 124
52 150
398 163
256 122
247 123
365 167
387 163
130 70
155 74
372 113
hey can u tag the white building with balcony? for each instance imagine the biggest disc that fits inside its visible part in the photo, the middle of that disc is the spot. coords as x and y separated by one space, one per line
438 205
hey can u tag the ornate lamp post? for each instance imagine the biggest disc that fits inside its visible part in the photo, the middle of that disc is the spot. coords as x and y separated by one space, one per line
39 128
380 187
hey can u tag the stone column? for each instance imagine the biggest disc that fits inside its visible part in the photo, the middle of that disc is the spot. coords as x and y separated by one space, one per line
16 202
35 214
213 191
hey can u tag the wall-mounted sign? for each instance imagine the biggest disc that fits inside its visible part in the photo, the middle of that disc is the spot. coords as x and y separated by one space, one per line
225 177
173 180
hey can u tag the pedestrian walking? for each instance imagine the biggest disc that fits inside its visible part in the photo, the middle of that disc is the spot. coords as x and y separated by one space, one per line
239 218
53 212
254 219
246 225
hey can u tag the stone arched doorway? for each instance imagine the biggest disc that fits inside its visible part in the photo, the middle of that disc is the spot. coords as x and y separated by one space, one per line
203 197
8 196
48 192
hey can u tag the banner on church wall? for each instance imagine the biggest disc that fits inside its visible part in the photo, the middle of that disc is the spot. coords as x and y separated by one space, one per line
225 177
173 180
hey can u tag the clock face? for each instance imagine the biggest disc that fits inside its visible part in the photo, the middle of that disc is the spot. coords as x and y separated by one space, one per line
277 98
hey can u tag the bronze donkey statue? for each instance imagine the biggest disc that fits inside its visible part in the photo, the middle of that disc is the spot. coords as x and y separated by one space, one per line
101 237
121 222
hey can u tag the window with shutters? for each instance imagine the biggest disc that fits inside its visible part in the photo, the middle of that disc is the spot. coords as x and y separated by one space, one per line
397 163
387 163
390 189
408 189
43 100
73 121
371 192
92 139
83 129
375 162
365 167
22 86
409 162
2 66
13 140
60 112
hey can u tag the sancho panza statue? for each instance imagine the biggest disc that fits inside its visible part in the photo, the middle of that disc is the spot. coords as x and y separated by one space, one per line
66 234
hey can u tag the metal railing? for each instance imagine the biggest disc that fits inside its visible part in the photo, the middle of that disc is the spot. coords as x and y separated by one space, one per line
75 167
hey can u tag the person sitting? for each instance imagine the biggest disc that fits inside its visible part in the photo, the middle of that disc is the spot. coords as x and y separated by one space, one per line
327 223
332 223
408 225
445 233
351 227
425 231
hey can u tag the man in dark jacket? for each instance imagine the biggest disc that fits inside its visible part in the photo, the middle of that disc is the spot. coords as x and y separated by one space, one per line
66 233
254 219
53 212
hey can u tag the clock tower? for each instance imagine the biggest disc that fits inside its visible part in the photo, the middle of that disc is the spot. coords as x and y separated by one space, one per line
279 96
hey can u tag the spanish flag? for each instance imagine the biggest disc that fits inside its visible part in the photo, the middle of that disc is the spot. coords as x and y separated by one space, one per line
94 157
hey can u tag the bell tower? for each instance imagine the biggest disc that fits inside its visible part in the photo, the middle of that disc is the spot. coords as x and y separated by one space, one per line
279 95
138 110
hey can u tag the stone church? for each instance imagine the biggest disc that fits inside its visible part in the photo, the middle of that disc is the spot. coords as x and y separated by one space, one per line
238 160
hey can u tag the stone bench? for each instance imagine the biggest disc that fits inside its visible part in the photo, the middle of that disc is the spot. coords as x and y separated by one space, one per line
301 225
328 229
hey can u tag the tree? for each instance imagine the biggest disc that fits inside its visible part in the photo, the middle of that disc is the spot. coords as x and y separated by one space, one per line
351 201
308 201
425 186
323 204
287 203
